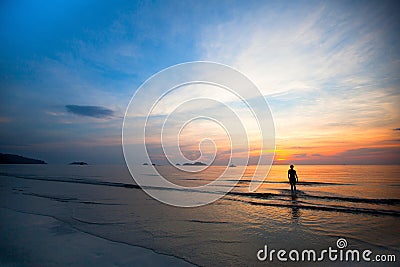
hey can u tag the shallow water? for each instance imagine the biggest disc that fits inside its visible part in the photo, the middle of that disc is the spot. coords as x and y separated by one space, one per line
359 203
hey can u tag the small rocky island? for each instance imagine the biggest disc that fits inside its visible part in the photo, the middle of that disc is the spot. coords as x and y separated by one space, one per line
197 163
78 163
16 159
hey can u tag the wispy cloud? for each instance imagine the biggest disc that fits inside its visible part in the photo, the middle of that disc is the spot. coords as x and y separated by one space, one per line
323 68
300 48
90 111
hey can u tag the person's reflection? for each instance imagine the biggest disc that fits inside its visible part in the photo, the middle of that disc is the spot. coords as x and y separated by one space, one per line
296 213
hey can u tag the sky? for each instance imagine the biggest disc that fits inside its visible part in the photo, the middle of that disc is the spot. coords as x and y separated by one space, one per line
329 70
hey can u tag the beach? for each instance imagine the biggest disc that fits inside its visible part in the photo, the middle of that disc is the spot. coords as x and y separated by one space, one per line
83 215
40 240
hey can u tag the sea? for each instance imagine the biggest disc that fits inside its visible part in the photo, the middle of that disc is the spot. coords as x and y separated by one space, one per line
356 204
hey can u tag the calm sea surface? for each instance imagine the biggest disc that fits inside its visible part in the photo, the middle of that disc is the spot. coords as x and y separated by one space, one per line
358 203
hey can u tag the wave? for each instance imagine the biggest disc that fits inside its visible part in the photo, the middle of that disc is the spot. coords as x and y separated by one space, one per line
71 180
102 183
208 222
389 201
69 199
274 182
96 223
323 208
250 198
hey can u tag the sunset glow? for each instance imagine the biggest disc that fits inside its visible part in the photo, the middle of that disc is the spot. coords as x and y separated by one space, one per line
329 71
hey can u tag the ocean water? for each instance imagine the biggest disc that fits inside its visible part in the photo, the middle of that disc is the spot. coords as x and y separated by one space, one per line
358 203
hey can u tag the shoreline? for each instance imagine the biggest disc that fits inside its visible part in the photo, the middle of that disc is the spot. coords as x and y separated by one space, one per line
43 240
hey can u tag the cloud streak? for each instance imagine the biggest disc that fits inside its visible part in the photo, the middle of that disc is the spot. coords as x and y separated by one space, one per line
324 69
90 111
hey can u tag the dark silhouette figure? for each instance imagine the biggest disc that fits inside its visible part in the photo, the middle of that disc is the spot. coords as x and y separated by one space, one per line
293 179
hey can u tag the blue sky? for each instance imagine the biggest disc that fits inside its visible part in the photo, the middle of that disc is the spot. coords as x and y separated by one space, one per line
329 70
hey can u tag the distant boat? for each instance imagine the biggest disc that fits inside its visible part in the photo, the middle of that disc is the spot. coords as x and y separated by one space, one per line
78 163
232 165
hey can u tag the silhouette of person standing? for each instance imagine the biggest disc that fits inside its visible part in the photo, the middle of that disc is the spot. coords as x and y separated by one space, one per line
293 179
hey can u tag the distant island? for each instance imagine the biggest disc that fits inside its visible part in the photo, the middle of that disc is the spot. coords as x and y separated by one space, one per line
78 163
16 159
197 163
152 164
